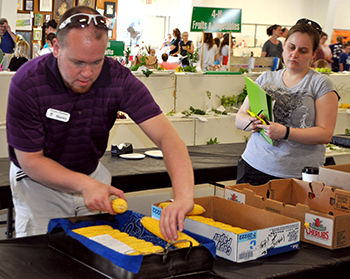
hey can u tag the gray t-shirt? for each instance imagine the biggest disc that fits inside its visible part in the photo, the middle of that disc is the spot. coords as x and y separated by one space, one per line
295 108
273 50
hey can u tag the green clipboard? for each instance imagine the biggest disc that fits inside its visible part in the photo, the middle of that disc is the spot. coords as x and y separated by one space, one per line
259 101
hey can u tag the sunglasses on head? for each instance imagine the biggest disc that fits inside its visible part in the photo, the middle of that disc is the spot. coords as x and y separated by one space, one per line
312 23
84 20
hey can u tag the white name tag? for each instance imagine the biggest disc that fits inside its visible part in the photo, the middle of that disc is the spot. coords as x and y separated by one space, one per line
57 115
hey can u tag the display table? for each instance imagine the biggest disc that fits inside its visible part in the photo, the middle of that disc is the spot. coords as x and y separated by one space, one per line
31 257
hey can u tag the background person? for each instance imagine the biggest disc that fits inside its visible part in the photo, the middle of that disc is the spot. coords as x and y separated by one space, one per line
273 47
209 52
7 42
49 49
174 44
344 59
166 43
305 113
50 27
185 46
20 56
337 50
61 107
324 52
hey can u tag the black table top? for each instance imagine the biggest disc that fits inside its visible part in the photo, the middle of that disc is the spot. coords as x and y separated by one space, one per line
31 257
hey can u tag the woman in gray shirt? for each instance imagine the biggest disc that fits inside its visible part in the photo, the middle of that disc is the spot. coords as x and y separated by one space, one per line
304 115
273 47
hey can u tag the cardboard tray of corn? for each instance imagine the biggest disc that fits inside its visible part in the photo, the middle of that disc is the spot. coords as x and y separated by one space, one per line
147 256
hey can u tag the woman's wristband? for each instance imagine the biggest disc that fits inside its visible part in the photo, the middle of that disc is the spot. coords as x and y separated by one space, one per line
287 133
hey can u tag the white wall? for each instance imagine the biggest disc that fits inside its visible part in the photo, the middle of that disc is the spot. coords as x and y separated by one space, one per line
8 10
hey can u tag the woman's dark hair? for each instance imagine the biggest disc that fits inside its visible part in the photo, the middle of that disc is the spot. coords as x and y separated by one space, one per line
177 33
225 41
271 28
306 29
50 37
52 23
208 39
165 57
217 41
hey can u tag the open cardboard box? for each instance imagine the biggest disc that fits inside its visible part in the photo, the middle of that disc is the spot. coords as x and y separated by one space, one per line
337 176
322 210
269 233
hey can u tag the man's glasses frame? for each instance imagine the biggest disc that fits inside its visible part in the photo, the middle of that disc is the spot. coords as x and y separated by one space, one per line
83 20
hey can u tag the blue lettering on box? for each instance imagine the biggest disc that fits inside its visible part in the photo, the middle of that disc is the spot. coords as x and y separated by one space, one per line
247 236
223 243
156 211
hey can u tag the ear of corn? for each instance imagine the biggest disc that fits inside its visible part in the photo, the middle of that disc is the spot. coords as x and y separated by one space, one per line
137 246
220 225
119 205
197 209
152 225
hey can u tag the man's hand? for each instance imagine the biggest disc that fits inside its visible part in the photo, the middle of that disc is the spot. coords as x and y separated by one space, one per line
173 216
96 196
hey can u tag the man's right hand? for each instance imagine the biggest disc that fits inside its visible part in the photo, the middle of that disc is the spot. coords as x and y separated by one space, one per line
96 196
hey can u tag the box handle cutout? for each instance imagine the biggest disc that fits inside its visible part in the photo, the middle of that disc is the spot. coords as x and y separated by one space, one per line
332 201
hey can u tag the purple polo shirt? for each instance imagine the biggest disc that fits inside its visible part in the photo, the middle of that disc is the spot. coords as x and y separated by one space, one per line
37 92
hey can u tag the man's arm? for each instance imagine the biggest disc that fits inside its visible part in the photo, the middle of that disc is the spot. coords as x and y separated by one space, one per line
53 175
13 36
179 167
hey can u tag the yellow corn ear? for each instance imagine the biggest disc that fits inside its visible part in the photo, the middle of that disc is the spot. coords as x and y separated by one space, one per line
152 225
119 205
197 209
220 225
94 230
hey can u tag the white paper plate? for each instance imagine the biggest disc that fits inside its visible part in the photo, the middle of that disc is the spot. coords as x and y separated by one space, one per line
154 153
132 156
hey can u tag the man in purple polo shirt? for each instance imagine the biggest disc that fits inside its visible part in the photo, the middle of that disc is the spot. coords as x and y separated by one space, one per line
60 110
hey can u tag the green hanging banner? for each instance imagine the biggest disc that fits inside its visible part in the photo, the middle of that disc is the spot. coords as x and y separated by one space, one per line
115 48
216 20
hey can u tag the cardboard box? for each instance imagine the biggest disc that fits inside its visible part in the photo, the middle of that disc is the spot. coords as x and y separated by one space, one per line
336 176
322 210
269 233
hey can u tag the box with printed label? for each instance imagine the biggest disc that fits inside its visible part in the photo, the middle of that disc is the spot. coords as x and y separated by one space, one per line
322 210
336 176
268 233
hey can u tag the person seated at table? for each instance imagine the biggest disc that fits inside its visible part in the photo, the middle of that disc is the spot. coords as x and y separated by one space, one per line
321 63
152 52
20 56
166 65
61 108
185 49
165 45
49 49
304 114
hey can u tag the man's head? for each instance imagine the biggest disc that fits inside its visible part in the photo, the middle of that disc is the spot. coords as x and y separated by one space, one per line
346 48
80 47
3 26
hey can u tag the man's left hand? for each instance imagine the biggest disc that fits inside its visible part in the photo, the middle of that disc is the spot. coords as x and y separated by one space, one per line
173 216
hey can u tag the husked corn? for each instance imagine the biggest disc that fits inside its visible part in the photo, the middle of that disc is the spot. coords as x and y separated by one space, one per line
197 209
139 245
119 205
220 225
94 230
152 225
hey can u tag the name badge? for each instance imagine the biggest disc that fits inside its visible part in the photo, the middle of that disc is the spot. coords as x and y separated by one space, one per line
57 115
